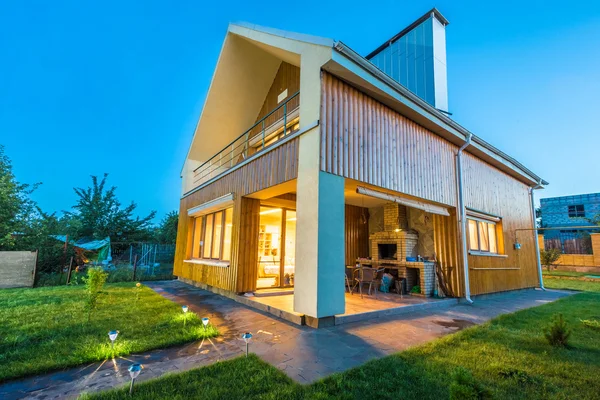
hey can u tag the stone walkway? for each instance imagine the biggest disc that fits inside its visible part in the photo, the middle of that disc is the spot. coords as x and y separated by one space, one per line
303 353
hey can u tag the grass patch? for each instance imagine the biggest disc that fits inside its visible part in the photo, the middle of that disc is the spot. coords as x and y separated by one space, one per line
571 284
565 273
240 378
46 328
506 358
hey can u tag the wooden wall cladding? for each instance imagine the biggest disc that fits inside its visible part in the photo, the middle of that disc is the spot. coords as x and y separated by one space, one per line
445 231
364 140
492 191
357 233
287 77
271 168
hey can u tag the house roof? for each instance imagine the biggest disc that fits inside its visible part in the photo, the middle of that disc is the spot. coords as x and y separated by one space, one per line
355 68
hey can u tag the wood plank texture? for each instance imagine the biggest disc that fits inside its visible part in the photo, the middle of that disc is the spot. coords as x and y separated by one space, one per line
369 142
492 191
272 168
357 234
445 234
287 77
364 140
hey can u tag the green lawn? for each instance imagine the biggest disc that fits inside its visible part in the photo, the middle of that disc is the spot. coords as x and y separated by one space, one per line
565 273
46 328
572 284
509 357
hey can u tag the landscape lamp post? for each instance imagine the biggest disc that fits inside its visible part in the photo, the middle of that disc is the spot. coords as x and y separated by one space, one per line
247 336
134 371
112 335
205 322
185 310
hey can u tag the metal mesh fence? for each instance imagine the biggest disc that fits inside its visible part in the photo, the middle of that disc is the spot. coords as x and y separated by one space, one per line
128 262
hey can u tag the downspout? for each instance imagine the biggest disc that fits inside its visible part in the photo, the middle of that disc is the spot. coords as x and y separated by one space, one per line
535 234
463 218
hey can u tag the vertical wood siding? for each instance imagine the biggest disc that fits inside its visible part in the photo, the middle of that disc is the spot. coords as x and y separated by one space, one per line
492 191
445 231
287 77
364 140
357 234
272 168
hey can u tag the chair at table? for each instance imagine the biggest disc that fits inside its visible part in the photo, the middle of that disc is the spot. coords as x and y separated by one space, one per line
348 272
369 276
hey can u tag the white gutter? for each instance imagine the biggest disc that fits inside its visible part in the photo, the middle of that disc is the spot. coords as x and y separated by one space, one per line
535 235
462 215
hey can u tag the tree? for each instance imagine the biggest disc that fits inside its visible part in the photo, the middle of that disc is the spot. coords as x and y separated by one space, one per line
539 219
99 214
166 232
16 208
549 257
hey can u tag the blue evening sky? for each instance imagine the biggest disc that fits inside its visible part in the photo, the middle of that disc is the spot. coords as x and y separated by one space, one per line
117 86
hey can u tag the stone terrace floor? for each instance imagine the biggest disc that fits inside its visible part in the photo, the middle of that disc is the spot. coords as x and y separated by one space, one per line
303 353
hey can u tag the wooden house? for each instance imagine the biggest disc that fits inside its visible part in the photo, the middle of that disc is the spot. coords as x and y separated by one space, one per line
308 157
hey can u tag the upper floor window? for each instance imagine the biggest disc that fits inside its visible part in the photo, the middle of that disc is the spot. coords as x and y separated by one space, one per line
482 236
576 211
212 235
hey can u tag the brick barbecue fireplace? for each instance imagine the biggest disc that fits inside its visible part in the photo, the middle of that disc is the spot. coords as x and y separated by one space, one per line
395 243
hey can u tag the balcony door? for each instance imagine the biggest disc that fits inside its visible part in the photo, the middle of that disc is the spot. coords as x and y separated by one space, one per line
276 248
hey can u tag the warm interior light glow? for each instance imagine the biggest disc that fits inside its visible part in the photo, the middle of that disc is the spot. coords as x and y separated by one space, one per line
270 211
291 219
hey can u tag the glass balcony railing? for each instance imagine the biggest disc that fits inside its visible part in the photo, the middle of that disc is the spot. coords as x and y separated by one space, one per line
276 125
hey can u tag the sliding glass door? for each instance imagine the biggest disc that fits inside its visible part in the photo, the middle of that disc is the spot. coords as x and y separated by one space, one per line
276 248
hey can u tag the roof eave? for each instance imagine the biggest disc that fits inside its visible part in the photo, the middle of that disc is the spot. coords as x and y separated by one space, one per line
435 115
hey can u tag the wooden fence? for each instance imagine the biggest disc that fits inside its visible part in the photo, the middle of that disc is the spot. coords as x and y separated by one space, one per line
575 260
17 268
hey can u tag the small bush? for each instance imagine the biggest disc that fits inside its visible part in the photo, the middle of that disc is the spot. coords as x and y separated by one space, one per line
465 387
549 257
416 289
94 282
591 323
558 332
520 376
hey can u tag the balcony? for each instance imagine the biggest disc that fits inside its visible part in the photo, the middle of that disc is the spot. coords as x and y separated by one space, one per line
279 123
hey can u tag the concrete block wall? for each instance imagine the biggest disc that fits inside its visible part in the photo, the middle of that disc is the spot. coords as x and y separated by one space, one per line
555 210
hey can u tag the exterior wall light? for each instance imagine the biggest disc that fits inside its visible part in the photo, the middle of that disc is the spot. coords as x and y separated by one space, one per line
185 310
247 336
134 371
112 335
517 245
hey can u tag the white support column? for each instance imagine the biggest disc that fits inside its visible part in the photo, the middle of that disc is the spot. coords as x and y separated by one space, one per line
319 278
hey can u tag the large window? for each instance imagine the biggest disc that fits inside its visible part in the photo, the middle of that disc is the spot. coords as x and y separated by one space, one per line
482 236
576 211
212 235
